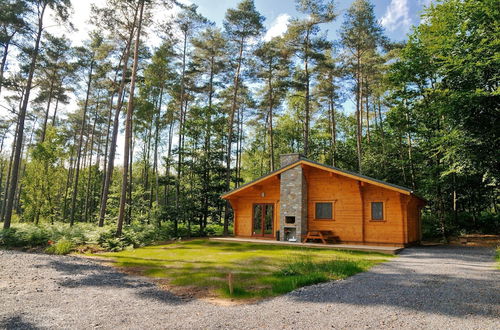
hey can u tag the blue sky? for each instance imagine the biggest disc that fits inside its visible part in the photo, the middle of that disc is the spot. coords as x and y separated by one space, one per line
396 16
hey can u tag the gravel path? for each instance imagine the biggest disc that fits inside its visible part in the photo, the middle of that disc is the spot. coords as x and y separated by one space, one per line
431 287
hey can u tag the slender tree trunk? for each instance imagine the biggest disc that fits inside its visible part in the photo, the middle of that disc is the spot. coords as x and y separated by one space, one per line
367 112
167 164
54 116
128 126
9 174
130 201
47 110
234 104
181 136
358 111
80 143
23 167
271 110
4 60
89 179
21 120
307 100
116 127
69 179
157 138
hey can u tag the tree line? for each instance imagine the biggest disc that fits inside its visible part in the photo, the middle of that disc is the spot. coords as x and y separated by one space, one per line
207 108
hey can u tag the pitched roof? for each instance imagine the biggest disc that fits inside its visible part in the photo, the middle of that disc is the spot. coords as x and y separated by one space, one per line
352 175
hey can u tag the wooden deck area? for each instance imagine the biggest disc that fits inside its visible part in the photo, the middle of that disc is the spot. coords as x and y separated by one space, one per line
353 247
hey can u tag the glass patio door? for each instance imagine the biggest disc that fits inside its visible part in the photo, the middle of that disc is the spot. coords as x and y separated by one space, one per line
263 220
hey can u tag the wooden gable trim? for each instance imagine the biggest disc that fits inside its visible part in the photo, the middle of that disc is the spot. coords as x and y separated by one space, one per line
303 162
355 177
255 182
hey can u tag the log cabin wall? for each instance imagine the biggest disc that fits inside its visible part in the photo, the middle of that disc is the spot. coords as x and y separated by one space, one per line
243 205
352 219
347 206
390 230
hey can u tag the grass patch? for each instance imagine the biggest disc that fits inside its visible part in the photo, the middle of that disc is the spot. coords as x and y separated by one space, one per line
63 246
497 257
258 270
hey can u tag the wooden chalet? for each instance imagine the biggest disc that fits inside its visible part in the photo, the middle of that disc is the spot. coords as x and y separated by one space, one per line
305 200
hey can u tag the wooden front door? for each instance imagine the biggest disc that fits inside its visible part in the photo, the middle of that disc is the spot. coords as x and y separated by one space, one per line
263 220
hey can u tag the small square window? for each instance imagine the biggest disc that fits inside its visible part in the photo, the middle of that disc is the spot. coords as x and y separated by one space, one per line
324 211
377 211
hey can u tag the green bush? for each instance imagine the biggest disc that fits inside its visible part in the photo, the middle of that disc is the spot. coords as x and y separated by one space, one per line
63 246
28 235
24 235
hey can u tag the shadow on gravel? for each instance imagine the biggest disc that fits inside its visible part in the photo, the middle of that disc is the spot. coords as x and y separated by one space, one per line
95 275
454 286
17 322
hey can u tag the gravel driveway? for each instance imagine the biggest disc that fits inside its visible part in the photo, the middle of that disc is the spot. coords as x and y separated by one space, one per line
428 287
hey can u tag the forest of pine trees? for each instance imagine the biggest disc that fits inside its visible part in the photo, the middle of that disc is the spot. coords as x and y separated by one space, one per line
119 131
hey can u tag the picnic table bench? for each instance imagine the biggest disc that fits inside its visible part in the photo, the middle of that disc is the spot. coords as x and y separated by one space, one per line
322 235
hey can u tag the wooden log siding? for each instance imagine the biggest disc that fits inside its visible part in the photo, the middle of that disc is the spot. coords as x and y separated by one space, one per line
352 219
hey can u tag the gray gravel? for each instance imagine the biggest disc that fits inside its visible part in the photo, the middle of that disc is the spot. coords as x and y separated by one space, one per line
427 287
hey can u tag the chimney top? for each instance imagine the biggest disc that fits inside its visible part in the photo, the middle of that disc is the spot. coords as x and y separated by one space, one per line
287 159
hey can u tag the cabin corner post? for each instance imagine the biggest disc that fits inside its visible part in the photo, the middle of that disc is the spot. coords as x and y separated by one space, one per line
293 204
404 200
362 198
232 203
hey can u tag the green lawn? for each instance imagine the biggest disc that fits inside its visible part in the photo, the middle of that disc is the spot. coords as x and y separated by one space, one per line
497 257
258 270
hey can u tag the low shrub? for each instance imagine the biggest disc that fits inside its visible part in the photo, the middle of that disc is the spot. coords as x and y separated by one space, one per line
63 246
66 237
24 235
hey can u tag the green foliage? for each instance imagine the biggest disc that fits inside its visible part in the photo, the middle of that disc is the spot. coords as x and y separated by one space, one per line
63 246
24 235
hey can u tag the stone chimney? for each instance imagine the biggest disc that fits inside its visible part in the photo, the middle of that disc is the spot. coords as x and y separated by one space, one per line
293 200
287 159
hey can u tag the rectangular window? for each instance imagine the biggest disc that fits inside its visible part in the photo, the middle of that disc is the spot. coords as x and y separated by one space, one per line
324 211
377 211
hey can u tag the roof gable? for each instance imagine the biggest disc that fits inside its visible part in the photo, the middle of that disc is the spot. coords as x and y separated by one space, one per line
352 175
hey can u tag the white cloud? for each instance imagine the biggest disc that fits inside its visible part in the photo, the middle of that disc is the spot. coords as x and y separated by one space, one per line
278 27
397 15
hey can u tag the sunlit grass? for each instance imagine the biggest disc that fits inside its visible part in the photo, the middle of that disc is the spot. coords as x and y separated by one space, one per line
258 270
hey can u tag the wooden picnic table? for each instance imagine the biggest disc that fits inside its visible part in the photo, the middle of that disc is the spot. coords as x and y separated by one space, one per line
322 235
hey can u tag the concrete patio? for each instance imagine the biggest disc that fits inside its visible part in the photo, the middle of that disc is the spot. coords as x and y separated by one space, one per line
365 248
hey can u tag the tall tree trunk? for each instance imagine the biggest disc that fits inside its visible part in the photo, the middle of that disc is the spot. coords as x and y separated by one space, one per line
128 126
359 128
21 120
25 146
181 137
234 104
9 174
167 164
80 142
270 115
89 179
116 126
307 99
47 110
4 61
69 180
367 112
